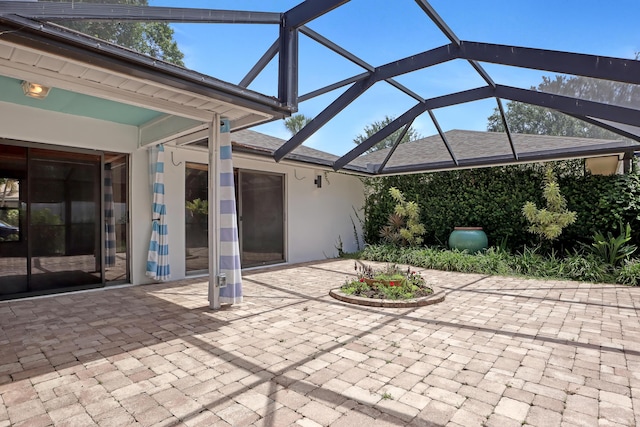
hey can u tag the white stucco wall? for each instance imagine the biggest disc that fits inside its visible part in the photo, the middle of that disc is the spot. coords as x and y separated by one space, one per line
48 127
314 217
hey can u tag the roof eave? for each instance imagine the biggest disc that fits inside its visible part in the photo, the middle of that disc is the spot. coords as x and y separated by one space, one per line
505 160
72 45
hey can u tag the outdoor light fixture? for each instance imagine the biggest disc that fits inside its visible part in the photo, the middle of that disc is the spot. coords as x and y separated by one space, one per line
318 181
35 90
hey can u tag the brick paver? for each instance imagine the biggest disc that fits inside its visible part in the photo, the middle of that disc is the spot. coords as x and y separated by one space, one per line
498 351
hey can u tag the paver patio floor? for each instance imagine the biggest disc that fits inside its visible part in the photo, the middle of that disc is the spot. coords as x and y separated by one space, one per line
497 352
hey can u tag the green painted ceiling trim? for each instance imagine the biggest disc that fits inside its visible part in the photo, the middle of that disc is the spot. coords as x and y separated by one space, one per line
77 104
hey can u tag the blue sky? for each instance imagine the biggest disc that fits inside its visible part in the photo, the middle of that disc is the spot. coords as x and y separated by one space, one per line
381 31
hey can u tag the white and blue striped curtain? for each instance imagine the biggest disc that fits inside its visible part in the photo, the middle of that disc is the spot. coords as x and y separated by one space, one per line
229 247
109 219
158 257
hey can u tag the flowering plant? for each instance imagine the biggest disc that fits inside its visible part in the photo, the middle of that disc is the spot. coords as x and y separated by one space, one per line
391 282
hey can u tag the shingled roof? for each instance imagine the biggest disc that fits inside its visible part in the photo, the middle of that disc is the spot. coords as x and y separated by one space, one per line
430 153
253 142
475 148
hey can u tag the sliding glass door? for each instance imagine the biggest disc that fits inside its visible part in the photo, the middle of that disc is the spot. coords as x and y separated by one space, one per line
261 216
51 221
64 219
260 207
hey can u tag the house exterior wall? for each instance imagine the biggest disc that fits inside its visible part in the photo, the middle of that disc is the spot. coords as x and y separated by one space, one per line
314 217
49 127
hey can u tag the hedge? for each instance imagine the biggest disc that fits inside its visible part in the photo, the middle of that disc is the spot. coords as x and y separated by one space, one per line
492 198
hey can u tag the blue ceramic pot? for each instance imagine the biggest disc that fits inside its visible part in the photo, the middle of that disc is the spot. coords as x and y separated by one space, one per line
471 239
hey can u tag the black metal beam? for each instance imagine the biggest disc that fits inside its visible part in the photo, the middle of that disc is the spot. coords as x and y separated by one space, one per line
331 87
608 126
600 67
410 115
417 62
357 89
394 146
353 58
443 136
318 38
288 67
367 144
433 15
506 128
483 73
62 11
405 89
627 160
261 64
570 105
448 32
308 11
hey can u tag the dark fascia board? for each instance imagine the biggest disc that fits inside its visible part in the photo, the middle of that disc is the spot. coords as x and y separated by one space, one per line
59 11
70 44
527 157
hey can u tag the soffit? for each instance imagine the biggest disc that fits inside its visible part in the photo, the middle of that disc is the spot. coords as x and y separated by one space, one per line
77 104
80 75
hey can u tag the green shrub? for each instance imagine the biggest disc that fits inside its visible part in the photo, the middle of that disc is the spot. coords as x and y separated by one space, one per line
601 203
548 222
629 273
612 249
403 226
585 268
529 262
493 198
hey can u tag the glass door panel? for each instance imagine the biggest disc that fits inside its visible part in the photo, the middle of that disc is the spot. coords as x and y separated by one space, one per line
116 218
13 236
261 198
196 218
64 220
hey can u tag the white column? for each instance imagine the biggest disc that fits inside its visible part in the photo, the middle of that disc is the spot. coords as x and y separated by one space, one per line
214 208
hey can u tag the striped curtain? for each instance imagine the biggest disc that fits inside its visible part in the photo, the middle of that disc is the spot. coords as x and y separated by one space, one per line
109 219
229 246
158 257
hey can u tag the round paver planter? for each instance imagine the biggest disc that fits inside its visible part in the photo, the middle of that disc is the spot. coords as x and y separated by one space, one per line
436 297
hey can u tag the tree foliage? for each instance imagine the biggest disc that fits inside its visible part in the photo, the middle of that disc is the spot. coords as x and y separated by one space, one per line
151 38
531 119
296 122
374 127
